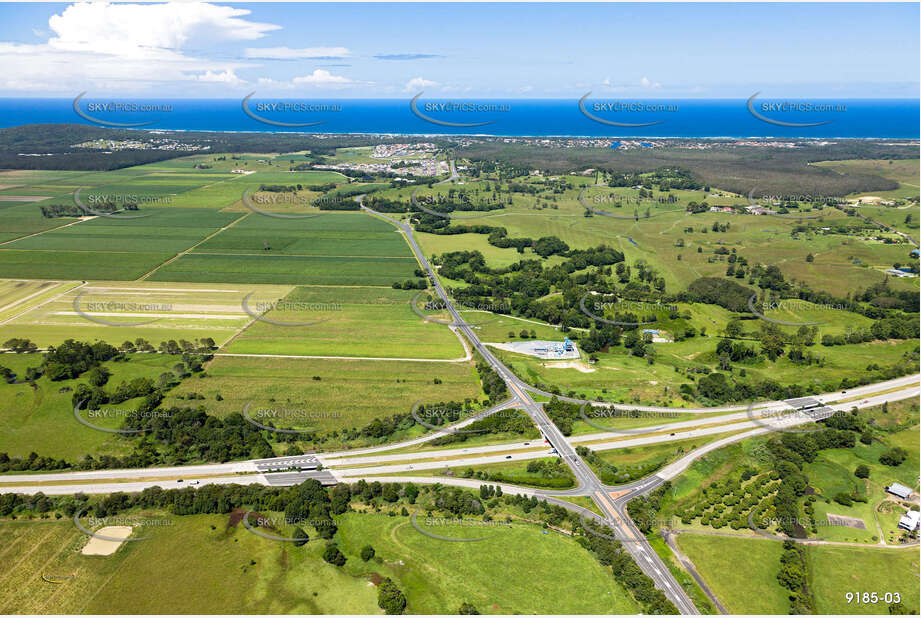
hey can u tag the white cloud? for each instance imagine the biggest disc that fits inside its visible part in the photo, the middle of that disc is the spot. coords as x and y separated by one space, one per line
645 83
225 77
321 77
418 83
287 53
318 79
142 29
128 47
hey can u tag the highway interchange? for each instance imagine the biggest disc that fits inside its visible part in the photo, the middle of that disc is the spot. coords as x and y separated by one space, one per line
378 463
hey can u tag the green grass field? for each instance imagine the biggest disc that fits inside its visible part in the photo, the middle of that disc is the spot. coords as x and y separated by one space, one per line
742 573
838 570
437 576
622 378
903 171
41 419
833 571
655 239
353 392
372 322
199 564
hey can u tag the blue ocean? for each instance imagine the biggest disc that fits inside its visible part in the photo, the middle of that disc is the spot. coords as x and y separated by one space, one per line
595 117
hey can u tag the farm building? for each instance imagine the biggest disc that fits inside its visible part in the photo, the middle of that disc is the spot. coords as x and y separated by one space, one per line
909 521
897 489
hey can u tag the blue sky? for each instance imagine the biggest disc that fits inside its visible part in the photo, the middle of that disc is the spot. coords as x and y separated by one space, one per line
653 50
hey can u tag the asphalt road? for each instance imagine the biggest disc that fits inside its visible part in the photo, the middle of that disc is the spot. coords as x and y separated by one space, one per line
611 500
614 511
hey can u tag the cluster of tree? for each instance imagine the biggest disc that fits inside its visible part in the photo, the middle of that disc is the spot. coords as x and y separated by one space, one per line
463 201
550 468
72 358
338 204
563 414
390 598
409 284
790 452
51 211
715 291
893 456
644 510
550 474
665 178
32 462
491 382
894 327
504 421
20 345
793 576
521 286
719 388
497 236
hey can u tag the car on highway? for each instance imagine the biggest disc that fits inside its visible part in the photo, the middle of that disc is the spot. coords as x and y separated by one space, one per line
508 456
178 480
193 482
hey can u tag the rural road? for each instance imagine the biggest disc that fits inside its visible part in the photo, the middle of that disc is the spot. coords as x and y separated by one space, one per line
375 464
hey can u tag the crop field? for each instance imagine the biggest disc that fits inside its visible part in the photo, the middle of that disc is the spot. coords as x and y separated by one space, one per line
104 266
342 393
41 418
117 311
165 231
287 269
346 235
19 295
106 248
18 219
344 321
